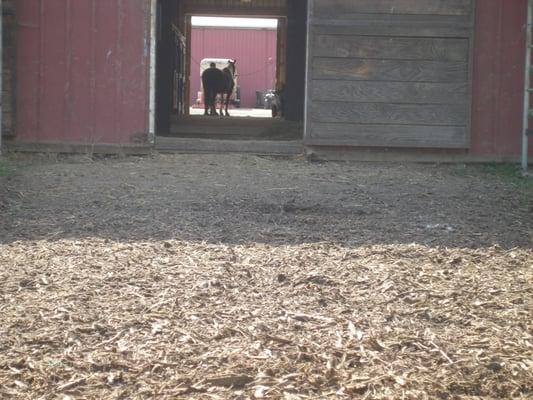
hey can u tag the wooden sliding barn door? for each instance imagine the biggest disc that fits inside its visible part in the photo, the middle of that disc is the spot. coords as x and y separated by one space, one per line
391 73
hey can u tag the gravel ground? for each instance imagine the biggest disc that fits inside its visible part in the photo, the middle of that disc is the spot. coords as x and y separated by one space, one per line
236 277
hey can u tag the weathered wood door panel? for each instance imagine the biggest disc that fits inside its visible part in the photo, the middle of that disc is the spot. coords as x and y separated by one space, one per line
396 92
391 48
347 8
389 73
389 113
389 70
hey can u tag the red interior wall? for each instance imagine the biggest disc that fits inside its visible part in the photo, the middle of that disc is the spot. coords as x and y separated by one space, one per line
82 70
499 49
254 50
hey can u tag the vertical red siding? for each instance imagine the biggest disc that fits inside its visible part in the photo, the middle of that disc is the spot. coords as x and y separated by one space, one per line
134 68
79 116
28 66
82 70
53 84
254 49
499 50
105 75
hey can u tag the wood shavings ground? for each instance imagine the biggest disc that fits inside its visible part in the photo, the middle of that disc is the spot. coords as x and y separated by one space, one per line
237 277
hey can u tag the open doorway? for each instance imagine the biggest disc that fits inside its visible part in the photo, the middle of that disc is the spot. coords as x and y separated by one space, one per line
252 44
270 64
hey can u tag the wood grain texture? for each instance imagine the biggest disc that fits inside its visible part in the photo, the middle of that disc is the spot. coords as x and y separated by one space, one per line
391 73
399 48
345 8
395 25
388 113
393 92
420 136
389 70
195 145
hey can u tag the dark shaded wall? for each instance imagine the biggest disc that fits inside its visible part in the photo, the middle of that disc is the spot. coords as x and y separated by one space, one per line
167 15
9 26
296 59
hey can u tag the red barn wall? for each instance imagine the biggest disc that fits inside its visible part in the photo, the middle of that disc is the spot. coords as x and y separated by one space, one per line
82 70
254 50
498 80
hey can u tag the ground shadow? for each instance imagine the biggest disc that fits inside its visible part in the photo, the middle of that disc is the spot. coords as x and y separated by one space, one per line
240 199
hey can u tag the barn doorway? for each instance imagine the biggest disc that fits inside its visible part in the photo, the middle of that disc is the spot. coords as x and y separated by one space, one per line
179 106
252 44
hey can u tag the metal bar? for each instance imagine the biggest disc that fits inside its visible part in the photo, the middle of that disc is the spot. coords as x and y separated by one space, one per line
527 81
308 58
153 48
187 55
1 71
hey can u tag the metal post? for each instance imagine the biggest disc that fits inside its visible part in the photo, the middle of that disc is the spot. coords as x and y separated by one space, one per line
527 86
152 74
1 70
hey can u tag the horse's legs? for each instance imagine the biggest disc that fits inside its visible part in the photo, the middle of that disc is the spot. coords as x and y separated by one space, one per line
206 103
221 104
212 104
226 105
228 95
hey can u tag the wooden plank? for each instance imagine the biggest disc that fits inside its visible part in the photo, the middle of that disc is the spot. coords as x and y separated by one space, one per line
391 92
236 12
71 148
389 70
266 8
388 113
195 145
346 152
391 73
398 48
420 136
281 54
395 25
309 67
243 128
345 8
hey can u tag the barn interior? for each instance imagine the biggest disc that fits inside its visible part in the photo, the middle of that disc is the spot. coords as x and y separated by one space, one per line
252 44
174 67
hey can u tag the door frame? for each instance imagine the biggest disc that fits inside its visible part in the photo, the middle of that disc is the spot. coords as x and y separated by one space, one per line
187 13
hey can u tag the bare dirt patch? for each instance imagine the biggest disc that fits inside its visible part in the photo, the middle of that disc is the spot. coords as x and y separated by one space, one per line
234 277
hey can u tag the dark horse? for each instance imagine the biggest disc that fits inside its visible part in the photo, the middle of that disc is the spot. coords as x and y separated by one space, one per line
215 82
